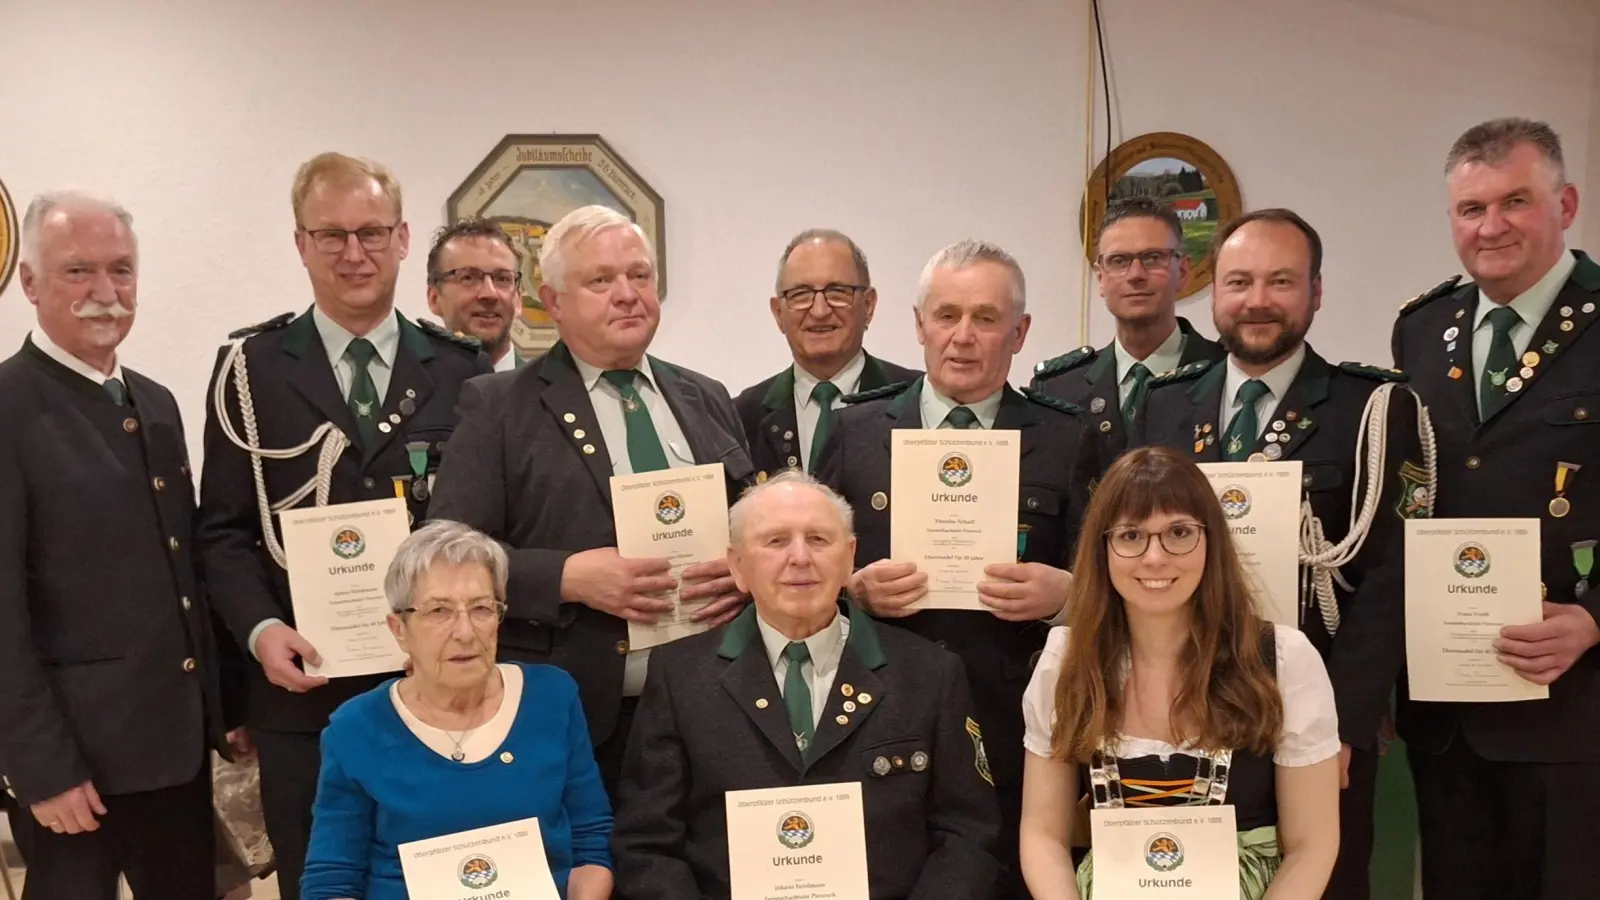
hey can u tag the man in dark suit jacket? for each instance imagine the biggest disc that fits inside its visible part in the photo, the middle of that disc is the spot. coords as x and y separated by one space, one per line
1509 366
802 689
1140 265
823 305
109 681
531 463
971 319
1269 286
370 397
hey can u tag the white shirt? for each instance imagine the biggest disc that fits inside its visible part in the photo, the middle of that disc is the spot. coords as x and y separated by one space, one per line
1310 722
826 648
479 743
1531 305
385 337
935 406
508 362
847 380
1165 358
75 365
607 403
1277 381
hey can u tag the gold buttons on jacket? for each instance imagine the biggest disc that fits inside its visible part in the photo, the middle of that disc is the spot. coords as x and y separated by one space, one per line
189 665
1580 413
158 483
761 703
622 648
187 605
1473 462
865 698
172 544
130 425
843 720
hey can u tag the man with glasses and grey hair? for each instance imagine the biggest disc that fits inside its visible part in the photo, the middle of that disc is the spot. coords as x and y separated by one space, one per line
823 303
532 461
1140 264
971 319
349 401
804 688
474 285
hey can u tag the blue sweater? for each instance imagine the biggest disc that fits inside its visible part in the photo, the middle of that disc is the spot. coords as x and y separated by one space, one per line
381 787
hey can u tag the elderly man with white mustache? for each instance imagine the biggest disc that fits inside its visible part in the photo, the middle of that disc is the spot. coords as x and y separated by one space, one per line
109 674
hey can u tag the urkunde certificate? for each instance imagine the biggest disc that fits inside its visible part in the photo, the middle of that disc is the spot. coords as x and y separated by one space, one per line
1465 579
1261 501
337 559
954 509
797 843
503 862
680 515
1190 852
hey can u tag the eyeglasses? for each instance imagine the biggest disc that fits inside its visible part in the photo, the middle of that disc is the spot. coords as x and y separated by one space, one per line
1177 539
1152 260
443 616
334 240
472 276
804 297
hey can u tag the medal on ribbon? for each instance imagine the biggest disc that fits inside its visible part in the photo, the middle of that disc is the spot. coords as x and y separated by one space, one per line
1560 505
1583 561
417 456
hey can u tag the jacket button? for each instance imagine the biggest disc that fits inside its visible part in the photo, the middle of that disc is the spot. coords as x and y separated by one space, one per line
189 665
1033 502
367 483
172 544
622 648
186 604
130 425
158 483
1580 414
1473 462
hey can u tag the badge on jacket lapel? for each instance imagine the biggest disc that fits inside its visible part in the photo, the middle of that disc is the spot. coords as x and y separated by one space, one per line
982 763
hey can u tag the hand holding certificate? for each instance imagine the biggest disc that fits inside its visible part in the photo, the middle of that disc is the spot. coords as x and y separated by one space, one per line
1261 501
1465 580
502 861
680 515
337 559
808 841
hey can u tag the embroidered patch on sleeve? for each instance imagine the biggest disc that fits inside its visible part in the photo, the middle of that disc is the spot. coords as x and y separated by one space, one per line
1414 502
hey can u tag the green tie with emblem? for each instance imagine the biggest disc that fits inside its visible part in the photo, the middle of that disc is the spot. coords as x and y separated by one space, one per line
961 417
1141 379
797 696
363 398
823 395
1241 433
644 444
117 392
1501 360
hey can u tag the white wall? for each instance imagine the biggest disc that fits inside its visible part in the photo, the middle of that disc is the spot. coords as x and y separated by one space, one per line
907 124
1590 202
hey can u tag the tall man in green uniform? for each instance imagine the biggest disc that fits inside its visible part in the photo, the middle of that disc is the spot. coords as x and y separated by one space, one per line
1508 794
474 285
1274 398
347 402
1139 265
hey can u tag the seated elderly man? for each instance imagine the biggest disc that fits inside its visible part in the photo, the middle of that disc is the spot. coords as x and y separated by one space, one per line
803 689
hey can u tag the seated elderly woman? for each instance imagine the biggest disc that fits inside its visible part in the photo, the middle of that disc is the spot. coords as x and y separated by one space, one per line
1166 684
460 743
851 702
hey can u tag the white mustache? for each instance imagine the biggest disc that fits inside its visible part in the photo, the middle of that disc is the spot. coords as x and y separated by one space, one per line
95 309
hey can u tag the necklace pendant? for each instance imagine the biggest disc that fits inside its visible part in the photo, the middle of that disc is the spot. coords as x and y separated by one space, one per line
458 756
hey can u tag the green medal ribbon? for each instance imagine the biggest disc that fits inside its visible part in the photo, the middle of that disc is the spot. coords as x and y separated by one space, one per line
417 453
1583 558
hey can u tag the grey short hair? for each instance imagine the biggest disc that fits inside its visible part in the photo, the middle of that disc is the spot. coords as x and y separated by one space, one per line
574 228
741 508
1492 141
442 541
968 253
826 236
49 201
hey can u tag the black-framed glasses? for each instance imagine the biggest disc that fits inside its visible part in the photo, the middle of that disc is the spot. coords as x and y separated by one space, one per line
1177 539
334 240
804 297
472 276
1152 260
438 617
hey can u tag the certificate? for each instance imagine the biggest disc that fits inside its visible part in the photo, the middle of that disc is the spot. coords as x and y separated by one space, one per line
338 556
1465 578
797 843
955 508
506 862
1190 852
680 515
1261 502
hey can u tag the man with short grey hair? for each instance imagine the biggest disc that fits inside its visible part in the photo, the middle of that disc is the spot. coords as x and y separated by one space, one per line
823 303
803 688
531 461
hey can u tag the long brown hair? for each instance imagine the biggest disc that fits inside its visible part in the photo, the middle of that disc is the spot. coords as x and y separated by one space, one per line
1228 696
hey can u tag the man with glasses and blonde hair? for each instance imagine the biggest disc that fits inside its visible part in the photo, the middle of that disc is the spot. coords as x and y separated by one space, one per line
346 402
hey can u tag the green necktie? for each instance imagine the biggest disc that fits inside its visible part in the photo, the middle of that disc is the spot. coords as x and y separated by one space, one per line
1141 379
797 696
1502 359
1241 434
363 398
644 444
961 417
823 395
118 393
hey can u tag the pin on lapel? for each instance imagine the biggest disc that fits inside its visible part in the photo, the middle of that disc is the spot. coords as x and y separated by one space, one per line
1455 373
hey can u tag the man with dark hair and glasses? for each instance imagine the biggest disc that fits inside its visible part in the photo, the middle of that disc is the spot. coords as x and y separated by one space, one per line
474 281
823 303
1139 264
1273 398
349 401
